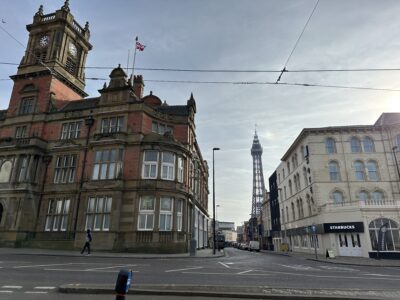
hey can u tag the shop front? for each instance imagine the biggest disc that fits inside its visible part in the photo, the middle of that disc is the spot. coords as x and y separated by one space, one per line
347 236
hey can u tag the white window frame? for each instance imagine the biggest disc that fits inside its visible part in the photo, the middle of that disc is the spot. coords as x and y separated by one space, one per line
168 167
64 171
21 132
112 124
71 130
149 166
166 214
179 215
181 167
146 212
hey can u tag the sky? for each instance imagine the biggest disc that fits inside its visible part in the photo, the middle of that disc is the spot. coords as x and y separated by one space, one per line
238 35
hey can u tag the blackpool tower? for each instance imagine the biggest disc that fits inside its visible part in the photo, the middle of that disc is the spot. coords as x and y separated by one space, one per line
258 188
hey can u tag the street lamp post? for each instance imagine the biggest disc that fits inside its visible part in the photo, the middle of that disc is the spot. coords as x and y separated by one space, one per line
214 237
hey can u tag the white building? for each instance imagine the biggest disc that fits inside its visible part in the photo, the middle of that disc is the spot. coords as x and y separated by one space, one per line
345 181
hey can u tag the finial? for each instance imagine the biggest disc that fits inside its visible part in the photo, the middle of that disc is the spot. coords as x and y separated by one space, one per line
255 129
191 96
40 11
119 66
86 26
66 5
104 85
151 93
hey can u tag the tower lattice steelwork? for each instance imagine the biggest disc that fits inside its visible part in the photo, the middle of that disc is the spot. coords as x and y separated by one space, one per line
258 187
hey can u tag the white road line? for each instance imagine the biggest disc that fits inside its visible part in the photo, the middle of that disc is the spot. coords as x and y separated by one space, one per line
6 292
35 292
225 265
244 272
177 270
34 266
11 287
120 266
78 270
44 287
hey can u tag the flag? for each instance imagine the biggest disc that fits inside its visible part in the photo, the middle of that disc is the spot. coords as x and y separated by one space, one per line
140 46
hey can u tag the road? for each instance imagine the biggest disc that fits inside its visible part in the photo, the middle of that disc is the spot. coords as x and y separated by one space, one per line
38 276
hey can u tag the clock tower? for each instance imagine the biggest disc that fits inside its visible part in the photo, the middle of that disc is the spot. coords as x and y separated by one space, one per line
52 69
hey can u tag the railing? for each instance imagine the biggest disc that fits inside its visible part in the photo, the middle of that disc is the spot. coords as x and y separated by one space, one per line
48 17
77 27
144 236
384 203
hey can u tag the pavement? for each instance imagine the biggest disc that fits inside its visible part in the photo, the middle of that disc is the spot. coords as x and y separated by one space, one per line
341 260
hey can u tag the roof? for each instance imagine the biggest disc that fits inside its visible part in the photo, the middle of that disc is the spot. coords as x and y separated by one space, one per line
177 110
388 119
80 104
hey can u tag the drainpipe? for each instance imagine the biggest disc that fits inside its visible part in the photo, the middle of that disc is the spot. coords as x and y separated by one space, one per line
89 123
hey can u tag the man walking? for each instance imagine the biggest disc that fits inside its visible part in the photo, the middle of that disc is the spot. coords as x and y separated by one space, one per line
87 243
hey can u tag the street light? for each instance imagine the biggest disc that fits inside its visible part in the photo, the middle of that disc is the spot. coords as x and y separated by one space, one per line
214 239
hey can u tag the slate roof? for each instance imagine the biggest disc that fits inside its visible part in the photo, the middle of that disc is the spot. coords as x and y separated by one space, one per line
388 119
177 110
81 104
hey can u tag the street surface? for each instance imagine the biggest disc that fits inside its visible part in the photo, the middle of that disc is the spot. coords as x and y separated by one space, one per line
39 276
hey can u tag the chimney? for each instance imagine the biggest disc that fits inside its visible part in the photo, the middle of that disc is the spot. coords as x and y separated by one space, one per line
138 86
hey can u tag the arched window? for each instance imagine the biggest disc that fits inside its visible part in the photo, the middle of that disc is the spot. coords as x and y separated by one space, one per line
337 197
377 197
290 188
330 146
372 171
288 167
293 212
355 145
359 170
368 144
305 176
309 205
334 173
301 208
363 196
287 214
389 229
5 171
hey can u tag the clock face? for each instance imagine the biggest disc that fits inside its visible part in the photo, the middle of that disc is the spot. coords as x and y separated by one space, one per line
44 41
72 49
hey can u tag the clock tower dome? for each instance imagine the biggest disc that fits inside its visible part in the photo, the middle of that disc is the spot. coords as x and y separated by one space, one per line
52 69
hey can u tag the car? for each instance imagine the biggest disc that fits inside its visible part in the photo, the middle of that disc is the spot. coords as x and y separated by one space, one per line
254 246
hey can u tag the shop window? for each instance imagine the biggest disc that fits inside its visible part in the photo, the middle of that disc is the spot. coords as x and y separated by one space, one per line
146 213
57 215
385 232
98 213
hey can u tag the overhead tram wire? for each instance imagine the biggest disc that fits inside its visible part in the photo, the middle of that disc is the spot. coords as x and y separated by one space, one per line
297 42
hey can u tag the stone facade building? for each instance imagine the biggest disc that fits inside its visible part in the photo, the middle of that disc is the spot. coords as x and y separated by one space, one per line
339 190
125 165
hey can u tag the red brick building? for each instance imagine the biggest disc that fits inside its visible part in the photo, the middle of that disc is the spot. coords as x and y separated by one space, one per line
125 165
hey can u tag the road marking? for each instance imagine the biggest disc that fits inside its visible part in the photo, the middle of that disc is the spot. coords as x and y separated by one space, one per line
226 266
6 292
339 269
93 269
35 292
34 266
44 287
11 287
299 267
378 275
244 272
177 270
78 270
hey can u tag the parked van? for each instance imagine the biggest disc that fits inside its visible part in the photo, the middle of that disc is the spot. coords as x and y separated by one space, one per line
254 246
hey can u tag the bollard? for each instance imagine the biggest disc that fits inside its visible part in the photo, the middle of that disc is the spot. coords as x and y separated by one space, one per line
123 283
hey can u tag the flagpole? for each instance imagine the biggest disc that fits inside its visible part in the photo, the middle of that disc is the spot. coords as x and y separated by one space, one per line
127 64
134 59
